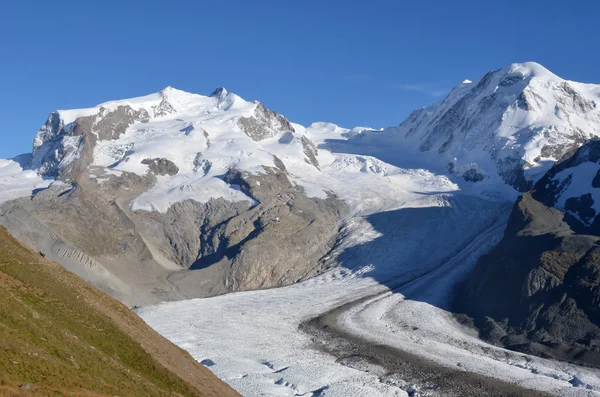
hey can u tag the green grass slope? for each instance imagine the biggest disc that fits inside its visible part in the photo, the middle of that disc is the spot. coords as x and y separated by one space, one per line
61 337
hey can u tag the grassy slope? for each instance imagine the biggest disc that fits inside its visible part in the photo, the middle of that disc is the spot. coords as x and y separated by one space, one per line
61 336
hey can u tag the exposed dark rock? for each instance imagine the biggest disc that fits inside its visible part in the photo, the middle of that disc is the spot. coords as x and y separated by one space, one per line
512 172
219 92
511 80
264 124
161 166
523 102
231 247
574 99
50 129
310 151
538 290
56 144
164 108
582 206
113 124
279 164
473 176
201 164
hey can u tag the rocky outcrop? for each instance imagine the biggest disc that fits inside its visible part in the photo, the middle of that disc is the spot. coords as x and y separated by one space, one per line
201 164
60 151
264 124
228 247
310 151
164 108
538 291
161 166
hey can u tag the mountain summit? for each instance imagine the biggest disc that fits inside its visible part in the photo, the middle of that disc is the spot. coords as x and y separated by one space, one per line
514 122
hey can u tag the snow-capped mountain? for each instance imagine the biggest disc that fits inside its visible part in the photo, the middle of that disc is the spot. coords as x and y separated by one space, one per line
514 122
185 139
223 187
18 182
246 199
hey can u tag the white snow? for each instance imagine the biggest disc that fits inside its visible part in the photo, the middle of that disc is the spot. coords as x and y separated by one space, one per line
17 182
180 100
254 340
253 337
487 122
207 127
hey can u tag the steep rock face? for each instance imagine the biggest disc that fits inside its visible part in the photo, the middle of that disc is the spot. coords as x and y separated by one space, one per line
60 149
161 166
264 124
514 123
538 291
572 185
277 242
310 151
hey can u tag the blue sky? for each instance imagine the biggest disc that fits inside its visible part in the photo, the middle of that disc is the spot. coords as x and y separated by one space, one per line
348 62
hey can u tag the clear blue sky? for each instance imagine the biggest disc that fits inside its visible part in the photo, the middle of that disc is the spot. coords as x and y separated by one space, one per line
348 62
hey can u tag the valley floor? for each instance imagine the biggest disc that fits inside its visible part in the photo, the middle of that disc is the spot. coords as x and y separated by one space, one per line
397 270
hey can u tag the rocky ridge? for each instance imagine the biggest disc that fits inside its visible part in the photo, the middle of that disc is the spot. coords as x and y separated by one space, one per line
538 290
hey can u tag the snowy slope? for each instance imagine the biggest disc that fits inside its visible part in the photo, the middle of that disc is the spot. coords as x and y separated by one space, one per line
16 182
514 122
202 136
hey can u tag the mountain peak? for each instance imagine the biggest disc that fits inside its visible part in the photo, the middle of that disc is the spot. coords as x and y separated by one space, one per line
527 70
219 92
513 122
